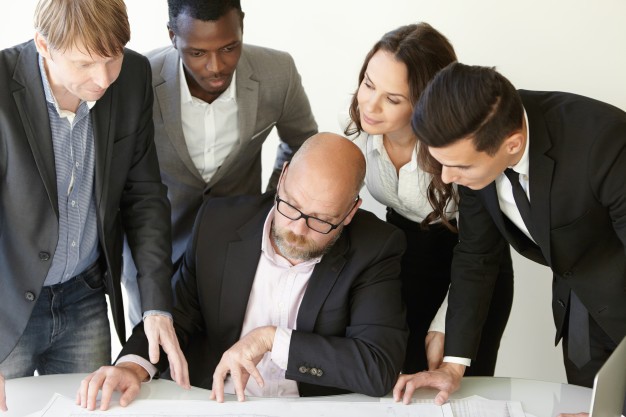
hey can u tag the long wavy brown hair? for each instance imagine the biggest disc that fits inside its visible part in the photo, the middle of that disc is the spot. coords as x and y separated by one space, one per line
424 51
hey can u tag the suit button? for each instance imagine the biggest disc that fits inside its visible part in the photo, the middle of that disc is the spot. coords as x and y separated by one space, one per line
29 295
314 371
561 303
44 256
567 274
320 372
303 369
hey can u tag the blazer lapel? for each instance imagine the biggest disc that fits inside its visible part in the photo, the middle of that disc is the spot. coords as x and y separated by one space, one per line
103 141
239 271
247 105
321 283
167 96
31 104
540 176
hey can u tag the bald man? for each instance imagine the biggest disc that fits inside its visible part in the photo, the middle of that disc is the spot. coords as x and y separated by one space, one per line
290 294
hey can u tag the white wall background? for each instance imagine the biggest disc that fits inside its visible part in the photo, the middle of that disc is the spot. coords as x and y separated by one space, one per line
567 45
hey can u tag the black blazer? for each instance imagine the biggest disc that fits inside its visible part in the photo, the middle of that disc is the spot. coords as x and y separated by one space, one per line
578 208
351 323
128 191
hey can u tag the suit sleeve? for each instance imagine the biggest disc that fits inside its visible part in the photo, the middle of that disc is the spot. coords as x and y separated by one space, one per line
145 209
475 267
607 174
369 357
296 123
187 310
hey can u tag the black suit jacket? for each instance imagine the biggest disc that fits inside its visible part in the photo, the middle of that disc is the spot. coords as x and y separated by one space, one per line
578 209
351 323
128 191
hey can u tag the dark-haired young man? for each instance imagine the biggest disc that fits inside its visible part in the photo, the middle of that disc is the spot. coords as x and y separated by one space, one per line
545 172
216 100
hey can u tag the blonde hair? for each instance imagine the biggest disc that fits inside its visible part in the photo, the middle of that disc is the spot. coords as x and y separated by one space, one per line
98 26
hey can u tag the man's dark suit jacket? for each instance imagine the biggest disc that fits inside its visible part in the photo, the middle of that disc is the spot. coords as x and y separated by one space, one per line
351 323
578 209
128 191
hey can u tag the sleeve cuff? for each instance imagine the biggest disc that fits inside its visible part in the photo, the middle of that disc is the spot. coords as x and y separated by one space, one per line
456 359
280 348
156 313
149 367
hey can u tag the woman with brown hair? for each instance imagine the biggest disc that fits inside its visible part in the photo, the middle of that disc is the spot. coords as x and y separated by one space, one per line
393 75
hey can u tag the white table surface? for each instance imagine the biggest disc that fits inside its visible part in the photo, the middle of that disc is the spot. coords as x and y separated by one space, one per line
539 398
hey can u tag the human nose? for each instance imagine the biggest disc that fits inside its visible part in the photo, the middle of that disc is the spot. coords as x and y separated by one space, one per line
299 227
104 77
448 175
214 63
372 103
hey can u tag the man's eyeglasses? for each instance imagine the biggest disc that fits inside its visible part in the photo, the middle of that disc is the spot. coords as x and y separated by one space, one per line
318 225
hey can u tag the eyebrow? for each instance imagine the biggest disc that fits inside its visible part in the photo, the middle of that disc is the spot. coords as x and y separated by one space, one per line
366 75
456 166
229 45
321 216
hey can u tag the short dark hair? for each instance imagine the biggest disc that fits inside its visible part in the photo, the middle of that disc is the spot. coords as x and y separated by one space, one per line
421 48
465 101
205 10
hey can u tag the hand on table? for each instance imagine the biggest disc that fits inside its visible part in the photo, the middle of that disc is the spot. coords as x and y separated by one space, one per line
159 330
3 398
434 349
446 378
125 377
240 362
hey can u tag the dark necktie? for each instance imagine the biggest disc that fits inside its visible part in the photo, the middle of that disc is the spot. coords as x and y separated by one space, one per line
521 200
578 348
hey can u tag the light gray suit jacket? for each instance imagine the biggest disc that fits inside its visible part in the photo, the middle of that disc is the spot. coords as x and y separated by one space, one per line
269 94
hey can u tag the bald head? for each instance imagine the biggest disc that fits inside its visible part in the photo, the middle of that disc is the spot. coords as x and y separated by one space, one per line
331 162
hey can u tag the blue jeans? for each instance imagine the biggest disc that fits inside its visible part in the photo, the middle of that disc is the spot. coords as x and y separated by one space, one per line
68 331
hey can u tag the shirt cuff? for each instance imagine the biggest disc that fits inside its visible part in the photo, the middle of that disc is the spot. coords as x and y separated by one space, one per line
156 313
456 359
439 322
149 367
280 348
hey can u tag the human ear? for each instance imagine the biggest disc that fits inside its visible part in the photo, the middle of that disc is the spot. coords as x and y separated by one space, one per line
42 45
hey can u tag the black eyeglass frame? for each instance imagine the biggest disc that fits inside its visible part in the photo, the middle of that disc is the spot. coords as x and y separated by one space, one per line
306 217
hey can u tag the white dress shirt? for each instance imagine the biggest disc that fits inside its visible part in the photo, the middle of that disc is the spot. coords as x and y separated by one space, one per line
211 130
405 191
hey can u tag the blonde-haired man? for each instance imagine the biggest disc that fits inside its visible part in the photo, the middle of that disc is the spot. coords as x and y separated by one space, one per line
78 169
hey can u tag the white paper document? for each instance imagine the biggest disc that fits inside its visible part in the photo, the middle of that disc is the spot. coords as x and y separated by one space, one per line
476 406
60 406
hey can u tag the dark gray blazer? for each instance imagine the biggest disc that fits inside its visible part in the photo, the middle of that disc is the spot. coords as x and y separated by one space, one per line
351 323
578 208
128 191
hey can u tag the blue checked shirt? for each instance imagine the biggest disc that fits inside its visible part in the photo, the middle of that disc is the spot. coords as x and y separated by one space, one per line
74 159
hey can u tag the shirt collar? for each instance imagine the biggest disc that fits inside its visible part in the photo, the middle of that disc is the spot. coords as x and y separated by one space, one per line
50 97
378 146
187 98
268 249
523 166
